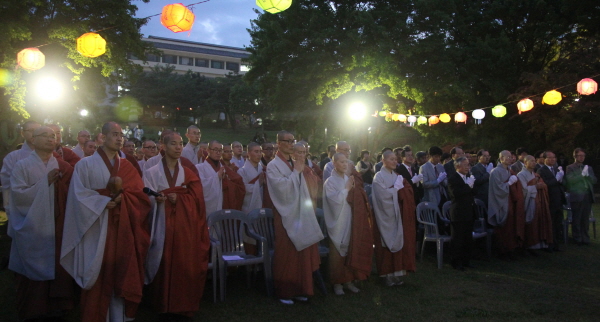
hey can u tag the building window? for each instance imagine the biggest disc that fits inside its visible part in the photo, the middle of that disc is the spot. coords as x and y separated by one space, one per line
186 61
235 67
169 59
152 57
201 62
217 64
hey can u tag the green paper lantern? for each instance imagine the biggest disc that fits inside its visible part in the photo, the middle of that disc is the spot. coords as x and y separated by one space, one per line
499 111
382 113
274 6
422 120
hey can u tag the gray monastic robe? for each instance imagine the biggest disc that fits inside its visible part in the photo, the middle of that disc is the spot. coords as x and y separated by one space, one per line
498 196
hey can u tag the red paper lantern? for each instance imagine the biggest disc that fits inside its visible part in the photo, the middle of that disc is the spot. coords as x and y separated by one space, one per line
460 117
587 86
31 59
525 105
177 17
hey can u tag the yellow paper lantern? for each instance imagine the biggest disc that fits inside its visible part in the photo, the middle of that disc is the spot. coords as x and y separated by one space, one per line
587 86
434 120
422 120
445 118
31 59
274 6
499 111
91 45
552 98
525 105
177 17
460 117
402 118
395 117
382 113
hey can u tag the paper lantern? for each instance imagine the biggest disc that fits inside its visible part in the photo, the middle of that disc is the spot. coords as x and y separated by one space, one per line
412 119
395 117
552 98
422 120
478 114
382 113
274 6
525 105
91 45
460 117
587 86
445 118
434 120
177 17
402 118
31 59
499 111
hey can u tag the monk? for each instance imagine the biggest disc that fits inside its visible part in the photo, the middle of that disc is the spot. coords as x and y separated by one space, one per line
11 159
227 156
156 159
39 186
190 151
253 175
339 219
61 152
538 222
106 233
89 148
223 188
267 153
178 258
297 230
309 164
505 206
340 147
394 229
82 137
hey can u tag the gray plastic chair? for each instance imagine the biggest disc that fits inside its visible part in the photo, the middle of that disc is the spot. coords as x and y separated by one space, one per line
225 226
323 244
212 265
481 227
261 220
427 214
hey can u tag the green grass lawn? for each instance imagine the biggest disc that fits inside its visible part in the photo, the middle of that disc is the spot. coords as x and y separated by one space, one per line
562 286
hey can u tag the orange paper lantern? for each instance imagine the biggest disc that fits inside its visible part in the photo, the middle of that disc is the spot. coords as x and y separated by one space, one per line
587 86
434 120
525 105
91 45
31 59
460 117
177 17
445 118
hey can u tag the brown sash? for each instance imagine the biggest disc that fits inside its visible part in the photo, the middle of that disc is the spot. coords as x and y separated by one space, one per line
171 179
280 155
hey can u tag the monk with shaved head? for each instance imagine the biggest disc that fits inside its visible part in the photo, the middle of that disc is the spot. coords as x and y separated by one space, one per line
192 148
106 232
82 137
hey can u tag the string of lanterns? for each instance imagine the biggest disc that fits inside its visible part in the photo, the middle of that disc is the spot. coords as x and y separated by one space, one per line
175 17
586 86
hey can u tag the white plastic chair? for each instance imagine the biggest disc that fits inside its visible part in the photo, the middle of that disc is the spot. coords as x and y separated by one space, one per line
427 214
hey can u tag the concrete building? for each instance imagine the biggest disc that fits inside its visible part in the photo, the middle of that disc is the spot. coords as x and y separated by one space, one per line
207 59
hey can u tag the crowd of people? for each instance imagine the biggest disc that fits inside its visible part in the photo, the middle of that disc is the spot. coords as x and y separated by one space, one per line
94 224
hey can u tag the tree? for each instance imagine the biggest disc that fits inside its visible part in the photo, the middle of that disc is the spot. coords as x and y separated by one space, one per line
423 57
54 27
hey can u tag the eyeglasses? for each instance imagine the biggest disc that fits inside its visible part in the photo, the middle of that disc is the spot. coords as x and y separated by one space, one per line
46 136
270 149
290 141
345 150
216 150
236 146
150 147
579 155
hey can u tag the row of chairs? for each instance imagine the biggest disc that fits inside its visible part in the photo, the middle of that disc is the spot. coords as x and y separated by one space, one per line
428 214
569 219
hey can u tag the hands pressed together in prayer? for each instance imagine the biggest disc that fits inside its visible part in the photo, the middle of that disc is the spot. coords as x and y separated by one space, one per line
172 197
221 172
350 183
261 178
417 178
299 166
399 184
53 175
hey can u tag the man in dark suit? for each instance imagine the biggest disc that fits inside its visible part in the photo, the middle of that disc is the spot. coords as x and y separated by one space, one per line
408 170
456 153
481 172
462 214
556 194
580 180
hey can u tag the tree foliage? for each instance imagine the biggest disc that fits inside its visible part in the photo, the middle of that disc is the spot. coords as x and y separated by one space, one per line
53 26
429 57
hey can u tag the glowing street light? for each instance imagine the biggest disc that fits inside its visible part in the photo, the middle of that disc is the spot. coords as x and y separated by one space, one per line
357 111
49 88
83 113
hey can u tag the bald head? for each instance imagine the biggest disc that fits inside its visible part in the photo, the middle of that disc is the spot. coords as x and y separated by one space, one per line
337 156
83 136
505 157
27 131
281 135
343 147
193 134
109 127
44 139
